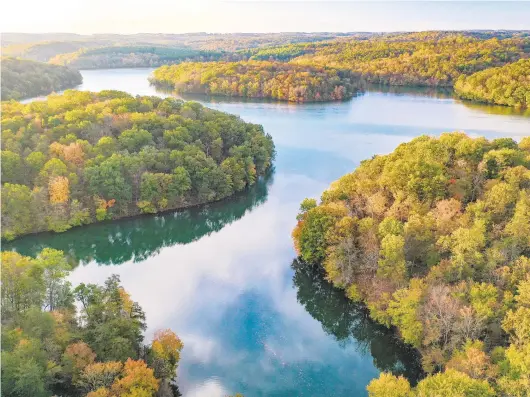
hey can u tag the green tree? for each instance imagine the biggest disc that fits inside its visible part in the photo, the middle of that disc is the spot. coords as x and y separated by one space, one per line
134 139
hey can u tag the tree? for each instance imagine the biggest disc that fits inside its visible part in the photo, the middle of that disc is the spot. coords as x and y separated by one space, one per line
312 231
59 188
11 167
106 146
453 383
55 269
114 323
483 297
517 322
16 210
519 226
404 310
392 258
99 375
388 385
76 357
473 361
24 370
166 348
53 168
138 380
22 285
134 139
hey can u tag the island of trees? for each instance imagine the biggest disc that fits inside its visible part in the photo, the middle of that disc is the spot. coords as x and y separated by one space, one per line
435 239
51 349
253 79
24 79
83 157
507 85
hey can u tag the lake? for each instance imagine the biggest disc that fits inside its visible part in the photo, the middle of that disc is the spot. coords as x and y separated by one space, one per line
224 276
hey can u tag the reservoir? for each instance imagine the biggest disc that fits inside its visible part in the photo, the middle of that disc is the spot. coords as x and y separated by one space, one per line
224 276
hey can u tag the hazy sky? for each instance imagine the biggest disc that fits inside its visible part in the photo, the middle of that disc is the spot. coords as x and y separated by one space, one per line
180 16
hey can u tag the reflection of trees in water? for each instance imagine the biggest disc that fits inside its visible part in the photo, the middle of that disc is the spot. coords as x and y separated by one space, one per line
350 323
112 243
433 92
495 109
448 93
419 91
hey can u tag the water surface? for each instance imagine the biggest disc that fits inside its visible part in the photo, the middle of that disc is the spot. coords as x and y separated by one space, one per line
223 276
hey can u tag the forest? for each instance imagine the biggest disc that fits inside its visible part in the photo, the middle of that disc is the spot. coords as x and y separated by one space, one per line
507 85
437 59
83 157
24 79
417 58
276 65
263 79
137 56
435 239
51 349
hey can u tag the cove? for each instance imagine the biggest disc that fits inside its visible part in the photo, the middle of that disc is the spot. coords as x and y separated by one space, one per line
223 276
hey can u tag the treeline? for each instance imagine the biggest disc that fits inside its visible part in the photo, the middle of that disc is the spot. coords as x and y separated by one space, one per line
49 349
83 157
25 79
417 59
137 56
507 85
435 240
44 46
282 53
274 80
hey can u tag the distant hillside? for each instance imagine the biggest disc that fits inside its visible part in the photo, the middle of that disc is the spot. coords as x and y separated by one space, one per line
25 79
43 47
137 56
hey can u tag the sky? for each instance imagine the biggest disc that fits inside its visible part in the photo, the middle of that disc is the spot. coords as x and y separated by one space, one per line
227 16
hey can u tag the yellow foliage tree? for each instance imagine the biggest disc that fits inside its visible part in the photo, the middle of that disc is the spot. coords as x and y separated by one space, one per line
59 189
137 380
167 345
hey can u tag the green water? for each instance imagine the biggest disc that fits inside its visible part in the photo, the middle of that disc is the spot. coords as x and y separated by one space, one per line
224 277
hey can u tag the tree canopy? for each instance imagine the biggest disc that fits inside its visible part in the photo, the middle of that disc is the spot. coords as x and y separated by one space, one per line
434 239
425 58
48 348
83 157
255 79
507 85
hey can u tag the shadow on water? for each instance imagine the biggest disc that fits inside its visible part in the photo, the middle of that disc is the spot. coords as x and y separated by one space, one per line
349 323
448 93
495 109
136 239
420 91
